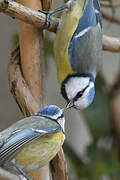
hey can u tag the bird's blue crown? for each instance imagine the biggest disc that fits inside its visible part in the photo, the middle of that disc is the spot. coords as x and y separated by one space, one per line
50 110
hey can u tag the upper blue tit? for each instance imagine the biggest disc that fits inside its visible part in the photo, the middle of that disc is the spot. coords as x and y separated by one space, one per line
78 51
33 141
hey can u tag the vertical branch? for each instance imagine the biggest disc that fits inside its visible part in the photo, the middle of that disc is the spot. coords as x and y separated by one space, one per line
32 56
58 167
18 86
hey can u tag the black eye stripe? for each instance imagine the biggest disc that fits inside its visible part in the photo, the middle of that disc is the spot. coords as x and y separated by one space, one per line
60 116
80 93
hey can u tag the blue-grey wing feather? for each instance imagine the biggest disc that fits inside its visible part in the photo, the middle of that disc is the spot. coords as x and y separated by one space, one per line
85 53
26 123
88 17
18 138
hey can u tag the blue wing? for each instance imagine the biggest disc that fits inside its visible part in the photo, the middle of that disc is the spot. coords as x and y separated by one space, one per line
50 110
88 18
19 138
86 43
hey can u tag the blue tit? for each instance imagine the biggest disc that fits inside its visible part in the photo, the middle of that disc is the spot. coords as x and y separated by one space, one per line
33 141
78 51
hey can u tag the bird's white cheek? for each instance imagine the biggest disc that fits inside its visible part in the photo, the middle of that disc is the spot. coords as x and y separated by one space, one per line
81 103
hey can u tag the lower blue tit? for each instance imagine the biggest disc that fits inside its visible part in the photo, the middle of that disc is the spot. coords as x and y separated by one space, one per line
78 51
33 141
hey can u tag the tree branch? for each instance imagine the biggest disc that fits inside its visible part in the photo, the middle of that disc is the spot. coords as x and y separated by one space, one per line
18 11
18 86
58 167
111 44
108 4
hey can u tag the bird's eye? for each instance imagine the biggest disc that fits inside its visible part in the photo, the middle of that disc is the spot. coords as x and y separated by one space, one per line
80 93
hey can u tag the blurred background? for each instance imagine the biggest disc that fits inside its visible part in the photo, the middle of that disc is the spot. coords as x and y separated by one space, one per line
89 134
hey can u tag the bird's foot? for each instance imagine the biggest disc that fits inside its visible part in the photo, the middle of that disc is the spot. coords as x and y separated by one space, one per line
51 12
21 171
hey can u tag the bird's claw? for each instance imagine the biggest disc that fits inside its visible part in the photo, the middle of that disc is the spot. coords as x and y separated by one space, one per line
47 21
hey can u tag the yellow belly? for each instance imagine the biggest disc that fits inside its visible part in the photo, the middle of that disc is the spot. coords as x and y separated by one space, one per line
70 19
38 153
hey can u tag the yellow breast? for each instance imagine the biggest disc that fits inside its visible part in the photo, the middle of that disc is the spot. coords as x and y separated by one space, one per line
38 153
70 20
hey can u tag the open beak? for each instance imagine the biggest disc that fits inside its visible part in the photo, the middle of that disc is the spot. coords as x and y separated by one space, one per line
70 104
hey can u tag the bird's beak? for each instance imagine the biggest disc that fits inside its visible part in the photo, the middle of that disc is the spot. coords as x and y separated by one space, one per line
63 109
70 104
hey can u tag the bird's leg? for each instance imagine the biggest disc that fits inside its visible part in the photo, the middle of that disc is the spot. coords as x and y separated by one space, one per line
51 12
21 171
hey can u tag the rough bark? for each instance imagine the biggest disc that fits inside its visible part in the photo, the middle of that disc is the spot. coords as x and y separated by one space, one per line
58 167
28 15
